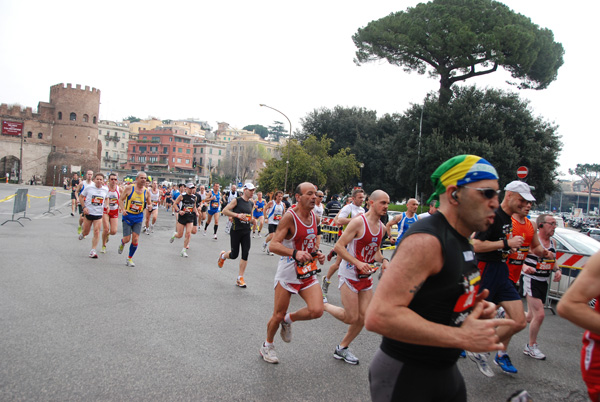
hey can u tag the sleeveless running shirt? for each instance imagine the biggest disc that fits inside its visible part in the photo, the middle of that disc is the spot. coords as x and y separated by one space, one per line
305 239
242 207
134 206
113 200
259 208
543 266
446 298
214 204
276 213
590 353
515 260
154 197
363 248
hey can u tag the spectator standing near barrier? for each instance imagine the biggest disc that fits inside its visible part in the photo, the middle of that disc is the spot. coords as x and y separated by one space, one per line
426 305
333 206
111 210
295 242
134 198
93 198
275 211
359 247
574 306
240 212
343 219
536 275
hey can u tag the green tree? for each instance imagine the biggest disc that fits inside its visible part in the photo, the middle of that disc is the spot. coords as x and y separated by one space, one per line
493 124
309 160
278 130
590 174
258 129
132 119
460 39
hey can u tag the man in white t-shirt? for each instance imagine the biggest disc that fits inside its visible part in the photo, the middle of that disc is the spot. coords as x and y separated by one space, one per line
93 198
319 209
346 214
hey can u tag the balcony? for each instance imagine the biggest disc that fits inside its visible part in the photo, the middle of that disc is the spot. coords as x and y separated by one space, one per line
110 159
114 138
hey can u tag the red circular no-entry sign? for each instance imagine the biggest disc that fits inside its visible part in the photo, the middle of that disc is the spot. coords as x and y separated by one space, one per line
522 172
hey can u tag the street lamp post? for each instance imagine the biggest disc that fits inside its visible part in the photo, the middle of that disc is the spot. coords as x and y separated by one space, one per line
287 162
361 166
237 168
419 153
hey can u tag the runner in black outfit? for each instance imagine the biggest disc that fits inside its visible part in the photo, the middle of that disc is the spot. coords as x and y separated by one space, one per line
427 305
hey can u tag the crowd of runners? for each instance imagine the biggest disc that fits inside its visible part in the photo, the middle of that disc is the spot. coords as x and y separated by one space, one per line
452 288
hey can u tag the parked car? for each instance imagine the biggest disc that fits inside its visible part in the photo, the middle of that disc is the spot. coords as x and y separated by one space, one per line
594 233
575 242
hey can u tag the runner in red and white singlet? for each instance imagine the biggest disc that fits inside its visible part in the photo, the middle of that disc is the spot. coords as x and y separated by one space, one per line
574 307
295 241
110 222
359 249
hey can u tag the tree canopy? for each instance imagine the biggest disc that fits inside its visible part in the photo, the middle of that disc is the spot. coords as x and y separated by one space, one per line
459 39
258 129
310 161
277 130
590 174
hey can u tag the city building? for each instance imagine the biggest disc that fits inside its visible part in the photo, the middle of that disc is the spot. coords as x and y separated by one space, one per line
56 140
115 139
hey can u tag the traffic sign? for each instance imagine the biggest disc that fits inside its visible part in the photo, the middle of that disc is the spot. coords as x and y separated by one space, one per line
522 172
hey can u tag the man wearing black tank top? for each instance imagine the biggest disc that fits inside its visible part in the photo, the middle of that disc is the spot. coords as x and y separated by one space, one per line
240 210
427 305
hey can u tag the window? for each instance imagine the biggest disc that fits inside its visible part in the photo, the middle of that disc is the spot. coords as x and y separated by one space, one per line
201 161
187 151
59 115
73 116
178 160
145 138
156 139
219 152
153 159
40 135
141 159
210 151
106 155
86 118
122 146
187 161
142 150
173 149
107 143
154 149
201 150
173 160
180 150
123 135
133 150
94 120
29 134
170 139
165 150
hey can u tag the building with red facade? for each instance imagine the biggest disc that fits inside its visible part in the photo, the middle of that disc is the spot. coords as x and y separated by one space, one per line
160 150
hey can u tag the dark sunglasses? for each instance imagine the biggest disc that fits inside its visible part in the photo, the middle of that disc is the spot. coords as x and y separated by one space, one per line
488 193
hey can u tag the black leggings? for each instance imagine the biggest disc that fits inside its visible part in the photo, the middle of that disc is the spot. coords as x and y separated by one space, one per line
392 380
239 237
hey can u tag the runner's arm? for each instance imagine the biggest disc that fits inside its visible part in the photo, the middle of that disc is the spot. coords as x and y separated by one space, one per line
353 230
573 305
227 211
394 221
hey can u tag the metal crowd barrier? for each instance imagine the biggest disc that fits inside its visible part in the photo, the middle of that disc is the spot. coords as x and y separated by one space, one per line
20 205
330 232
570 265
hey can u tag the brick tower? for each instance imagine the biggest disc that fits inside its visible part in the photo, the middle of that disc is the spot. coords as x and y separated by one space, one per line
75 132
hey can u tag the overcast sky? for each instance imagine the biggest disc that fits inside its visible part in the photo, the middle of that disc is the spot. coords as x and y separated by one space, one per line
217 61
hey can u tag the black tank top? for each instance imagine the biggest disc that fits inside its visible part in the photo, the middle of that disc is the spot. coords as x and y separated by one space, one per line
445 298
188 201
242 207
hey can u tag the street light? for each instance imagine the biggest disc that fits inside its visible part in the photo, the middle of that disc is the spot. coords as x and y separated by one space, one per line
361 166
237 169
287 162
419 154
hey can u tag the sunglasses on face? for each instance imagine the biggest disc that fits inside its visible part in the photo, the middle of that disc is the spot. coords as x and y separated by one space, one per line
488 193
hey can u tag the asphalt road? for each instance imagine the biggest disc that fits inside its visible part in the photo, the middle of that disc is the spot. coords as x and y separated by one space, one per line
173 328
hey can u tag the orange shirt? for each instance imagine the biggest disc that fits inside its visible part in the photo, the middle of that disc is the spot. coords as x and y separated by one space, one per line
515 260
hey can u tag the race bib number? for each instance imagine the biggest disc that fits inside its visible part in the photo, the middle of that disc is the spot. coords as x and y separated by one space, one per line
97 200
246 219
214 205
307 269
545 265
259 209
277 217
136 206
188 209
372 269
466 301
155 203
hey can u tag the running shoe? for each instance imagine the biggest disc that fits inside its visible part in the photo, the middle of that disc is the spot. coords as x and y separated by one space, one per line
481 360
325 299
79 229
80 236
144 229
103 250
204 233
268 354
534 352
463 354
505 364
221 260
345 354
72 214
215 236
325 285
258 235
152 228
240 282
121 247
286 331
500 313
520 396
253 235
184 253
148 231
172 239
129 262
264 247
93 254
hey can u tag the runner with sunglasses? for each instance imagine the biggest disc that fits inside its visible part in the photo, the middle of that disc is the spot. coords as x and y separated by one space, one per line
492 248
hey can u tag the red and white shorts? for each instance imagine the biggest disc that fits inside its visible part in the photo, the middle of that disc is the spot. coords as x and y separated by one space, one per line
360 285
114 213
295 288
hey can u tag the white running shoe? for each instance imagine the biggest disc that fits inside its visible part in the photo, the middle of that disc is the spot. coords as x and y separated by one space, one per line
286 331
129 262
93 254
184 253
268 354
204 233
481 360
215 236
534 351
264 247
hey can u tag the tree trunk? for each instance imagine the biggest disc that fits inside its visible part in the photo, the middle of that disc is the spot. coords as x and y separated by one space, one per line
445 92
